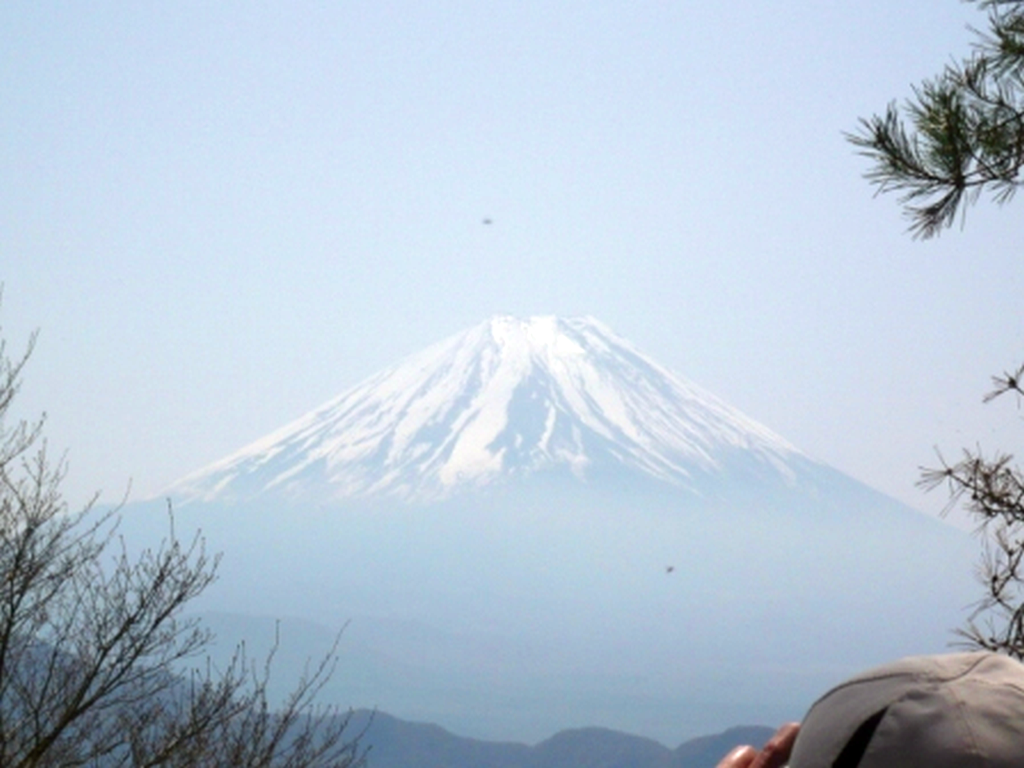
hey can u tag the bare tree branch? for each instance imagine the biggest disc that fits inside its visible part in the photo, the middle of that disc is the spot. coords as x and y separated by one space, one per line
95 652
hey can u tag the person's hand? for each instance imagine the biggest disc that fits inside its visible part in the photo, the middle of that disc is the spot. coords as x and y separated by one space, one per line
774 754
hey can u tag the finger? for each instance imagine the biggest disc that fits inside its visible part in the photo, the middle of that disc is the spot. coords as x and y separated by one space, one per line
740 757
776 752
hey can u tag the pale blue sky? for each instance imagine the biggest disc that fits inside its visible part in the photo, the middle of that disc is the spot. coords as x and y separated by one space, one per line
220 215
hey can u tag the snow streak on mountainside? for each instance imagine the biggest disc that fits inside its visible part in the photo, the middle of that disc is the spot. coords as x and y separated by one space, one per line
507 398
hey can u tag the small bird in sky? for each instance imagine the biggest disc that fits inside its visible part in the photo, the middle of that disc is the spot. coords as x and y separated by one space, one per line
488 221
669 568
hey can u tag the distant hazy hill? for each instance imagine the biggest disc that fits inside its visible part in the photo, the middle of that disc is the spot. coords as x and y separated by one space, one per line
396 743
533 526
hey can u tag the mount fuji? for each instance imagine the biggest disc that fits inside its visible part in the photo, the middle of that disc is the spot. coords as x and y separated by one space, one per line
532 525
508 399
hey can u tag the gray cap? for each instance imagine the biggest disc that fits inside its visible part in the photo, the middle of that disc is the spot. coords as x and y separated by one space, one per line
960 710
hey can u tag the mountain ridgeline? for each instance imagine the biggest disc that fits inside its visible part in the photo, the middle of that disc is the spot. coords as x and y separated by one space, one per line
532 526
399 744
508 399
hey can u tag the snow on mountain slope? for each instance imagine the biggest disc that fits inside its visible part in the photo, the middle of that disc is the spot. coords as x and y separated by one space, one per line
507 398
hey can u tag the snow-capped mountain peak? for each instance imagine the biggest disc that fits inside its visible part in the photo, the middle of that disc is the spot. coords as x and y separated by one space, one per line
508 398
